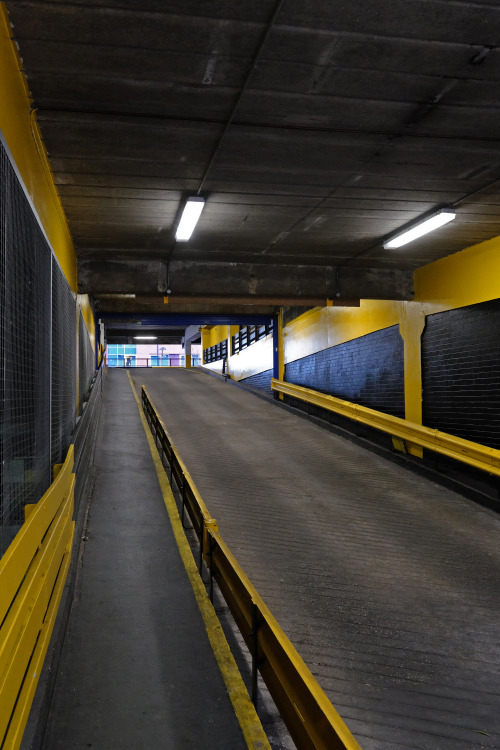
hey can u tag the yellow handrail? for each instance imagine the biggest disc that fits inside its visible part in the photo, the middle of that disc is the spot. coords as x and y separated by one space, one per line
313 722
33 571
476 455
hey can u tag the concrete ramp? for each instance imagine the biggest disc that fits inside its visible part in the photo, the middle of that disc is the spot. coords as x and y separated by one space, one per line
386 583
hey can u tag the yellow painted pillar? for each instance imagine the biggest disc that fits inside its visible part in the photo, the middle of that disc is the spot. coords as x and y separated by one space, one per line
281 348
205 343
411 327
279 353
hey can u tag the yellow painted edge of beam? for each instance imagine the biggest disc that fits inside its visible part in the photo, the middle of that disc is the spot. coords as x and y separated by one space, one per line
25 141
244 709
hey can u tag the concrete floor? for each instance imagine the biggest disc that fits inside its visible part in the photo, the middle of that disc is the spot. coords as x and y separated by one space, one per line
386 583
137 670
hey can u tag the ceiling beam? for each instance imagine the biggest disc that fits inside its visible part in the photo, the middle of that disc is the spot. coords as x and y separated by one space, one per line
245 280
140 306
253 300
167 319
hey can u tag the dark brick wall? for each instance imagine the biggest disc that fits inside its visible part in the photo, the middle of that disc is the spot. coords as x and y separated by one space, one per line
367 371
262 381
461 372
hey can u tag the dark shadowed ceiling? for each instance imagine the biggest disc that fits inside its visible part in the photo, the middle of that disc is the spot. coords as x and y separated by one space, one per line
313 128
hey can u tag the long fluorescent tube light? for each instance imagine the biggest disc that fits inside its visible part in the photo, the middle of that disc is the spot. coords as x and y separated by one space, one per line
189 219
149 338
434 222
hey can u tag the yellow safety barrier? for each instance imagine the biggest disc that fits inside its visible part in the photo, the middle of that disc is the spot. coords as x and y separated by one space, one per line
476 455
313 722
33 571
191 499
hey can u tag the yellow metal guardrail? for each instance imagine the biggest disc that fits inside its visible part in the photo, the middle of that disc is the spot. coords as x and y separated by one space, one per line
33 571
313 722
476 455
191 498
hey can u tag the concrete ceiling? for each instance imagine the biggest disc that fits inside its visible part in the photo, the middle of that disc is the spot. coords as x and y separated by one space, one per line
313 128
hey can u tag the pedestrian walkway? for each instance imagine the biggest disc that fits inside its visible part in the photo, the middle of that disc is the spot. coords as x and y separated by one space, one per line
137 670
386 583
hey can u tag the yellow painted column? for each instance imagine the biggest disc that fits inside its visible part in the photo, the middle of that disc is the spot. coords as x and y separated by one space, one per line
281 348
279 353
411 327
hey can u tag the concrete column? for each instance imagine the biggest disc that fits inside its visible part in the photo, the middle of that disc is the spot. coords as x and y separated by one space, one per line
187 351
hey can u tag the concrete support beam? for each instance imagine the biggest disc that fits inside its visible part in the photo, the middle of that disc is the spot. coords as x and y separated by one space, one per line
243 279
157 306
191 334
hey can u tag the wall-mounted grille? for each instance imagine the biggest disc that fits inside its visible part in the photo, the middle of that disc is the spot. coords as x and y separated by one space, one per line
215 353
248 335
461 372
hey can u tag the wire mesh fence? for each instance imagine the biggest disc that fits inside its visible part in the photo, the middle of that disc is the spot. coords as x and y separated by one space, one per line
25 325
38 356
86 362
63 412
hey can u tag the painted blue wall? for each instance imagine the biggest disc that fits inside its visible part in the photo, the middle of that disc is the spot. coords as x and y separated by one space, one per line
367 371
262 380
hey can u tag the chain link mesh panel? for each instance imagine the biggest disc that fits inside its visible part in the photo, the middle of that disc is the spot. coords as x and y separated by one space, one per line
25 333
63 415
86 363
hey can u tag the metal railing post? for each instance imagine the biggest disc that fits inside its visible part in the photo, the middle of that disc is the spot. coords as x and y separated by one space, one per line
183 497
211 567
255 654
202 529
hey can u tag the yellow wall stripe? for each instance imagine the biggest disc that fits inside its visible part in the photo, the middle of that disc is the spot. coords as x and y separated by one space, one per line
465 278
214 335
20 129
251 727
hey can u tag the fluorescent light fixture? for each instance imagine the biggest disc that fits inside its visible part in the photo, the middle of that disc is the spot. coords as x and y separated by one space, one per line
433 222
189 219
146 338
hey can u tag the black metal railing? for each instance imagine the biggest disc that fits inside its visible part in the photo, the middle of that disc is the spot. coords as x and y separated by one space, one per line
248 335
215 353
